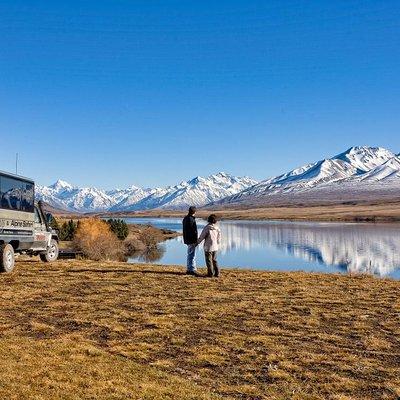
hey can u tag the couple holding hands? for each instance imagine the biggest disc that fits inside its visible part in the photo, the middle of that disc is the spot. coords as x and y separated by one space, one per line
211 235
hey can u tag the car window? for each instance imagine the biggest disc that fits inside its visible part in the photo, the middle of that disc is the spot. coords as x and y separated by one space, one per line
37 216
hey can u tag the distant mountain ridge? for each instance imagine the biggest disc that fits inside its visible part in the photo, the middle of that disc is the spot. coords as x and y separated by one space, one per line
357 173
198 191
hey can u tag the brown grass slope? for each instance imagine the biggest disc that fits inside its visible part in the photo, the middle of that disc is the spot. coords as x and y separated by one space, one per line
80 329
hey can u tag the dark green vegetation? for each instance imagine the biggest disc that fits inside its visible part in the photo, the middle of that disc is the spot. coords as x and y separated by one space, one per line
66 230
119 228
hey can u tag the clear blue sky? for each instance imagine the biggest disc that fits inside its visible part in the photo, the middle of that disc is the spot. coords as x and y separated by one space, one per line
113 93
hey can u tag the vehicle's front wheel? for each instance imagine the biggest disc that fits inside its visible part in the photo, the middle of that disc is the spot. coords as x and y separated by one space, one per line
51 253
7 258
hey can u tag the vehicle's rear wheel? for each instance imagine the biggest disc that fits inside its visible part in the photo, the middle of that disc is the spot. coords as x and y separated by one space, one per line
7 258
51 253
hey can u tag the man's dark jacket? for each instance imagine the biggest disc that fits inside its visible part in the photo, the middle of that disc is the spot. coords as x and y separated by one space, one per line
190 234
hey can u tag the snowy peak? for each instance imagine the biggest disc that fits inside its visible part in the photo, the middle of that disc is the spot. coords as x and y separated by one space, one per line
365 158
197 191
64 195
307 176
61 185
354 170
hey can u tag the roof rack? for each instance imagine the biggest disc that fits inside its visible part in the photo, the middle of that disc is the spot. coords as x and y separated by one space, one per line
8 174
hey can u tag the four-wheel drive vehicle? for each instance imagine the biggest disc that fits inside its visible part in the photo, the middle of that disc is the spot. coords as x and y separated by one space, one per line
24 227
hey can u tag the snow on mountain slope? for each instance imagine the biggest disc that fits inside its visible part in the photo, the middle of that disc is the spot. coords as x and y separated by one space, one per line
130 200
63 195
198 191
313 174
126 197
365 158
350 167
390 170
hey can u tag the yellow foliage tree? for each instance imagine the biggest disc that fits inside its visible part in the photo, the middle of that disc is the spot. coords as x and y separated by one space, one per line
96 240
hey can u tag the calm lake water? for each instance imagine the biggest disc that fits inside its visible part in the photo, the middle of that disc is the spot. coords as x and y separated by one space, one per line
282 245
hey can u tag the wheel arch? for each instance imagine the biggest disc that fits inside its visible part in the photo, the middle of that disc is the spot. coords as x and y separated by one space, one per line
14 244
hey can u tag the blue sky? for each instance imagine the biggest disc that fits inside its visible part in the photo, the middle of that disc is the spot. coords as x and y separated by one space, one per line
113 93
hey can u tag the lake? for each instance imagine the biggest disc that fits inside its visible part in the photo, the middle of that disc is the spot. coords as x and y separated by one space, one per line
286 246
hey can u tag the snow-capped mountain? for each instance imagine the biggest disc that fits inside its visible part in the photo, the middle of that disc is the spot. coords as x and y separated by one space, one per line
359 173
125 197
197 191
365 158
63 195
359 170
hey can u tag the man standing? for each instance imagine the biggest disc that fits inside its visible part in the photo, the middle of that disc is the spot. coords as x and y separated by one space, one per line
190 236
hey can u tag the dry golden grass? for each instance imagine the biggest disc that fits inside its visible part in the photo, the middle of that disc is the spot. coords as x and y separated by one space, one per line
80 329
68 367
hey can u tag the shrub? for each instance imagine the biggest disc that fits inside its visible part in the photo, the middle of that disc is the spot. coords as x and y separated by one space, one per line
96 240
54 225
150 237
119 227
68 230
131 246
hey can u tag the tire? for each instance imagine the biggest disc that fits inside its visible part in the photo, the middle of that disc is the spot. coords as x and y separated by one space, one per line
51 253
7 258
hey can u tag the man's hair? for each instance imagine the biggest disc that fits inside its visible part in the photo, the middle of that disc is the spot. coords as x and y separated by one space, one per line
192 210
212 219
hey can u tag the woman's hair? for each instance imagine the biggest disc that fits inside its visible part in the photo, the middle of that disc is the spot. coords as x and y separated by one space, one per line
212 219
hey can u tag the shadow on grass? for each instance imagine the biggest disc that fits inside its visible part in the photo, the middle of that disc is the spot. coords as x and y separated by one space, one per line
129 271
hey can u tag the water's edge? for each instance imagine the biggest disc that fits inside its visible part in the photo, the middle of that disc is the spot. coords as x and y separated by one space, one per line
293 245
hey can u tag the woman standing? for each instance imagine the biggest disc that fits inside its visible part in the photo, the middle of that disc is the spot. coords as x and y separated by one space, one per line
211 235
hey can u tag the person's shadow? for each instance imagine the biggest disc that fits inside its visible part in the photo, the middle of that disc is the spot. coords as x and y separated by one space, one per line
130 271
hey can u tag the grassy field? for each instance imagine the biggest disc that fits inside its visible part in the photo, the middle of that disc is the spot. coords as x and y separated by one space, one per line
80 329
362 212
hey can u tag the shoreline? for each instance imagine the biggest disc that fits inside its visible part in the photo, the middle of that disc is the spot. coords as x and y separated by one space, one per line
250 269
357 212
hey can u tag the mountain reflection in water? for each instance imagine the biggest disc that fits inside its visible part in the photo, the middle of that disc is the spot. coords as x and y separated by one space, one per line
358 248
313 246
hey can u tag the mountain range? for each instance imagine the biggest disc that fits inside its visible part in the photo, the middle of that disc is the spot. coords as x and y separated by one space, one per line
198 191
358 173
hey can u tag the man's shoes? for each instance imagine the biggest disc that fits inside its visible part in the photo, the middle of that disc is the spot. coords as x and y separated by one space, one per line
193 273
